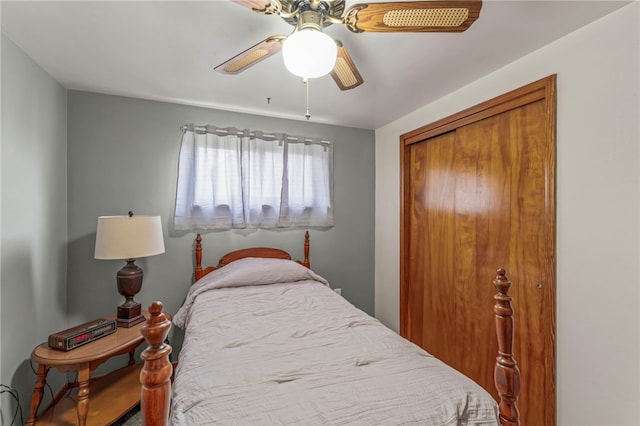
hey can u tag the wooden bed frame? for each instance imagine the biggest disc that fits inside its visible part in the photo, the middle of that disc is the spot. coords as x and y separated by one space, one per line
157 371
269 252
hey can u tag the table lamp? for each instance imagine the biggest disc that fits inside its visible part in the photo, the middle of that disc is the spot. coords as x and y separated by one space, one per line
128 238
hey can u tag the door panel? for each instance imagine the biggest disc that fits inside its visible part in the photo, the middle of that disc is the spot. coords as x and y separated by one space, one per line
477 197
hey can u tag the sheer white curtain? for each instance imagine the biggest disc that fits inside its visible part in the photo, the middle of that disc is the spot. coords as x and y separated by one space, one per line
209 192
237 179
262 172
307 197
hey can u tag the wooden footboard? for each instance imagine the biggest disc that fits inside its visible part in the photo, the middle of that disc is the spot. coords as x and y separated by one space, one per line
156 373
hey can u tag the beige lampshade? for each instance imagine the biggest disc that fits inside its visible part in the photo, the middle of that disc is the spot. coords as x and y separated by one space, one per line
128 237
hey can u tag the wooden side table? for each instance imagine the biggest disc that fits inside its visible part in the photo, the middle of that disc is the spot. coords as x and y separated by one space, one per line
115 393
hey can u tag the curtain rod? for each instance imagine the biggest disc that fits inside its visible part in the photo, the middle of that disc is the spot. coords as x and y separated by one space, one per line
247 133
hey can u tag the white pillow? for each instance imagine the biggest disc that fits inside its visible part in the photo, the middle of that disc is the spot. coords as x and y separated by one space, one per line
245 272
258 271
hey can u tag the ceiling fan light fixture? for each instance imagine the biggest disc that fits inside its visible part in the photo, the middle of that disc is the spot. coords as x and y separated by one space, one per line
309 53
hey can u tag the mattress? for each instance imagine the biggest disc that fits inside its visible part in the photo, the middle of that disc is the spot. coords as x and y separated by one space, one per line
267 342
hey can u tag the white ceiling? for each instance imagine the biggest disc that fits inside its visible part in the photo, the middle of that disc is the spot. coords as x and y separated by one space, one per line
166 50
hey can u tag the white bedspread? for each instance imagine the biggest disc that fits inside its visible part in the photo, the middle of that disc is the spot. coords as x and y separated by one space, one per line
294 352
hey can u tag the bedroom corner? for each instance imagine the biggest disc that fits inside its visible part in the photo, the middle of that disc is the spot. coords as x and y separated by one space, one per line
34 217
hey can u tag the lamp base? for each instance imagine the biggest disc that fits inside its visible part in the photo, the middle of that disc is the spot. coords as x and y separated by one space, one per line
129 314
129 280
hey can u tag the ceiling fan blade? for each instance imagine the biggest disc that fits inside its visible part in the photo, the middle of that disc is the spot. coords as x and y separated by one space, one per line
267 47
345 73
412 16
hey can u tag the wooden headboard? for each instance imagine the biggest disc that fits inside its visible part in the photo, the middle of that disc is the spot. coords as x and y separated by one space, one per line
267 252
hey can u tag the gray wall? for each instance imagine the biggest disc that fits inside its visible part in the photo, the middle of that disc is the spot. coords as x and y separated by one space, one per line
123 155
69 157
34 219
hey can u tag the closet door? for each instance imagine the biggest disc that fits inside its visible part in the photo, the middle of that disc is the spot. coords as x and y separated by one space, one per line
478 194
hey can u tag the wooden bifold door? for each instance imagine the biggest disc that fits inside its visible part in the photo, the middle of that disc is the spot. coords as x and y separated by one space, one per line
478 193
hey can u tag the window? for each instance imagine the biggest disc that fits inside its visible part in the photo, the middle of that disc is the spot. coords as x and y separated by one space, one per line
241 179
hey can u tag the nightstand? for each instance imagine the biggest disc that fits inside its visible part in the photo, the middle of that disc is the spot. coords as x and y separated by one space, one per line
89 400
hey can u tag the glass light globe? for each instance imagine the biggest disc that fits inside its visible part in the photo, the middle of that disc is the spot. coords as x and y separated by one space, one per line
309 53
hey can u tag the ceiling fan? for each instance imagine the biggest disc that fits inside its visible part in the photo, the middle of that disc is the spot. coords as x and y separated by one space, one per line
309 17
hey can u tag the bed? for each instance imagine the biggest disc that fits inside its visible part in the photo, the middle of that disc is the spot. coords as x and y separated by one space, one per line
268 342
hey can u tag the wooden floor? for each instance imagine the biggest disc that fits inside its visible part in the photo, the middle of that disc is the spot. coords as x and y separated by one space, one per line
110 397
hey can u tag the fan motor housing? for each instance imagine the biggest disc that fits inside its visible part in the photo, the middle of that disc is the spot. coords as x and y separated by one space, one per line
321 8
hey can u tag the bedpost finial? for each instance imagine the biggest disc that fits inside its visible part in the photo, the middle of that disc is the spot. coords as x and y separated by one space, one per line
306 262
156 308
501 282
156 315
501 276
157 326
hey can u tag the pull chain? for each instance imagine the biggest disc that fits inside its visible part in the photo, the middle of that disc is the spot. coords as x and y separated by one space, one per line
306 82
